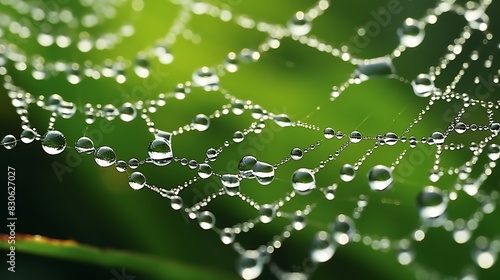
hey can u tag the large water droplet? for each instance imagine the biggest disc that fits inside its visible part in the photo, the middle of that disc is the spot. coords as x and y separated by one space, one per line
476 16
299 24
423 85
267 212
9 141
176 202
431 203
206 220
329 133
231 184
303 181
201 122
412 33
204 170
53 142
322 248
460 127
493 152
250 264
245 166
342 229
127 112
380 178
136 180
355 137
238 137
105 156
28 135
376 67
84 145
347 173
160 151
264 172
296 154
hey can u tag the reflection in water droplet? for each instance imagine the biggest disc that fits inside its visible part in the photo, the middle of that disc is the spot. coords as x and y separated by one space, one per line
267 212
105 156
28 135
206 220
299 220
476 16
296 154
9 141
84 145
206 78
376 67
136 180
423 85
412 33
201 122
282 120
127 112
160 151
231 184
322 248
264 172
347 173
405 254
53 142
250 264
303 181
431 203
342 229
380 178
204 170
299 24
245 166
141 67
227 236
493 152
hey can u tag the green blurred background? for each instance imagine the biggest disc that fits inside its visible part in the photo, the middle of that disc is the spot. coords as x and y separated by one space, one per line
94 206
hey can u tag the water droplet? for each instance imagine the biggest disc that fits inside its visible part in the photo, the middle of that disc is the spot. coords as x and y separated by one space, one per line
437 138
231 184
127 112
376 67
282 120
133 163
299 24
9 141
342 229
201 122
461 233
483 253
227 236
163 53
160 151
264 172
231 62
476 16
267 212
303 181
330 192
136 180
299 220
296 154
347 173
176 202
141 66
250 264
206 78
329 133
206 220
204 170
405 254
84 145
66 109
493 152
431 203
423 85
355 137
380 178
105 156
412 33
110 112
322 248
53 142
237 107
212 154
390 139
245 166
28 135
238 137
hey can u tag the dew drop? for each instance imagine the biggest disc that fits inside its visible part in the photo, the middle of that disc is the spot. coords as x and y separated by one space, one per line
493 152
238 137
121 166
204 170
390 139
227 236
105 156
53 142
141 66
176 202
206 220
380 178
267 212
231 184
405 254
412 33
296 154
136 180
133 163
84 145
250 264
322 248
264 172
342 229
299 24
355 137
330 192
437 138
201 122
206 78
299 220
376 67
282 120
160 151
431 203
460 127
127 112
329 133
423 85
245 166
483 253
477 17
303 181
163 53
9 141
347 173
28 135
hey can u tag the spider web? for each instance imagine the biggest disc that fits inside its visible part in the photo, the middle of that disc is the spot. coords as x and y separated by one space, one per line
408 171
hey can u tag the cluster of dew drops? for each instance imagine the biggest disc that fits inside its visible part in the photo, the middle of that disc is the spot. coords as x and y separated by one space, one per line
432 202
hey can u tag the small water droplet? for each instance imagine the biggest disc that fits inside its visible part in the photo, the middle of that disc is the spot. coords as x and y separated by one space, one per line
347 173
227 236
476 16
163 53
342 229
105 156
483 253
201 122
296 154
431 203
9 141
299 220
212 154
127 112
231 184
206 78
121 166
84 145
330 192
204 170
160 151
141 66
136 180
231 62
133 163
390 138
322 248
376 67
206 220
282 120
493 152
329 133
238 137
423 85
250 264
299 24
28 136
380 178
303 181
412 33
53 142
405 253
267 212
